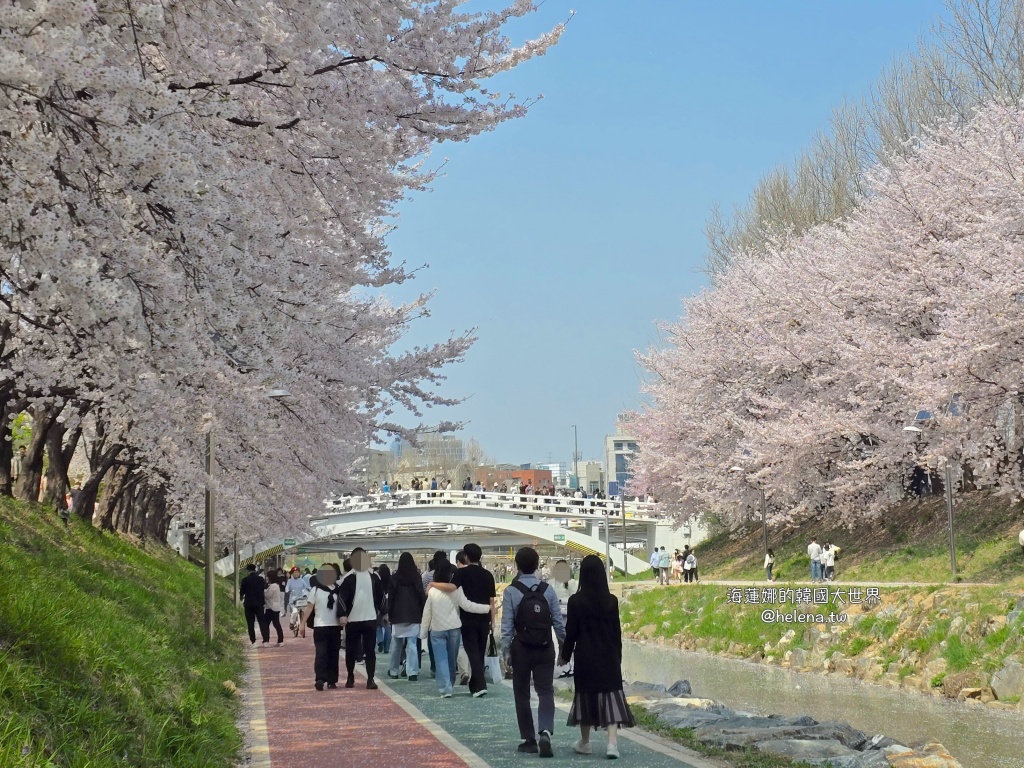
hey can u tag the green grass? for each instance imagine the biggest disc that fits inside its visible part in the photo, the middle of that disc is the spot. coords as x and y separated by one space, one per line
103 657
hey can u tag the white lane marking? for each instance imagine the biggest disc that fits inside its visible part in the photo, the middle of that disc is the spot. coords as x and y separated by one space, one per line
259 749
471 758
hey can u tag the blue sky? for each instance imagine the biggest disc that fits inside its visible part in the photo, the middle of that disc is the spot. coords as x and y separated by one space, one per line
564 238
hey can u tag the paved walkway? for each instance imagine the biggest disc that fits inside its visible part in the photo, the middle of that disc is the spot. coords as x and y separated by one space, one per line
405 724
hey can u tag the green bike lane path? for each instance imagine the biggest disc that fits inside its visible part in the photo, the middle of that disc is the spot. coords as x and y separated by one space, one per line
407 724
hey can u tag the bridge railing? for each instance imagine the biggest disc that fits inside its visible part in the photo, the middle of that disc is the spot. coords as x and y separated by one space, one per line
514 503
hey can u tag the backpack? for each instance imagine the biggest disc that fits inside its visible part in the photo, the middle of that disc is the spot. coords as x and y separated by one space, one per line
533 621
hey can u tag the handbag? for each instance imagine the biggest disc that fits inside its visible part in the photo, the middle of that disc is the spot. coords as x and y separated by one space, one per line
492 664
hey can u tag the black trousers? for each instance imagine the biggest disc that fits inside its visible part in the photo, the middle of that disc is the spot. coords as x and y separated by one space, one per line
361 642
256 614
474 639
273 619
327 641
538 663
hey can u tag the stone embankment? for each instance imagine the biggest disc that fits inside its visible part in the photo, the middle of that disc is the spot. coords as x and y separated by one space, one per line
941 643
800 738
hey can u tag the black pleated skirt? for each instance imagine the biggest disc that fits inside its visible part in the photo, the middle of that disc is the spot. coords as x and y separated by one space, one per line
599 710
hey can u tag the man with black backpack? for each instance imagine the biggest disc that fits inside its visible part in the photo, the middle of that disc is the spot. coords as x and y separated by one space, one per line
529 611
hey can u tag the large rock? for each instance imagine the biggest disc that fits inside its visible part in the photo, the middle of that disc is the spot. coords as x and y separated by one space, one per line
683 702
695 718
734 734
1008 681
680 688
798 658
927 756
821 752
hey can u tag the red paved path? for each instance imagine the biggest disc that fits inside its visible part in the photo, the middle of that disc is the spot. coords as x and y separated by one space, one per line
342 728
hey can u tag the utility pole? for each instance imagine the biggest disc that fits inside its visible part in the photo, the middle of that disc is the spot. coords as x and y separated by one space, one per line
210 551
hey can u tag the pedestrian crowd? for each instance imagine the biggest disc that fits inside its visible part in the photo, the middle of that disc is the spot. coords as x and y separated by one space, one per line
823 560
550 623
680 565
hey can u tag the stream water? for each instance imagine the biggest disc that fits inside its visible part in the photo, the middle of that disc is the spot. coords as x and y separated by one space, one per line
977 736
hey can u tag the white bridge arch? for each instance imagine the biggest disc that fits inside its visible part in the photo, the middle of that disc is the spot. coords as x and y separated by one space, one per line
572 523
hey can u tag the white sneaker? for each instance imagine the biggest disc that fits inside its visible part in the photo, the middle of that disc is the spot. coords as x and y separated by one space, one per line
478 694
613 752
582 748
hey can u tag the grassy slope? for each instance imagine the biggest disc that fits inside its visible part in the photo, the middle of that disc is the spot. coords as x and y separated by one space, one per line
103 657
910 543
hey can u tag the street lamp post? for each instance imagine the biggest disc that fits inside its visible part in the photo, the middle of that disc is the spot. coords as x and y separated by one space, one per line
210 503
625 560
575 456
949 515
237 564
210 555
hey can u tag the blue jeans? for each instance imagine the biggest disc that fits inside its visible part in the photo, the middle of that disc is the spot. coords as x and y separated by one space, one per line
446 657
815 570
412 655
384 638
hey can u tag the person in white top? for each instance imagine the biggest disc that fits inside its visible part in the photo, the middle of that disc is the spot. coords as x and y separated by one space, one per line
814 553
273 602
362 598
828 562
442 625
325 604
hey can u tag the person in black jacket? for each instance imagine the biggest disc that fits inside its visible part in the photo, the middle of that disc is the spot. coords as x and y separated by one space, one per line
593 634
363 597
251 590
405 609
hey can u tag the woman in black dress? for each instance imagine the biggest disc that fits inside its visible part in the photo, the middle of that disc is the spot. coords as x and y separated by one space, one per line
593 634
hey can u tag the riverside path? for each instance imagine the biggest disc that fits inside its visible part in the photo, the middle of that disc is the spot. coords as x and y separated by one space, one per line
404 724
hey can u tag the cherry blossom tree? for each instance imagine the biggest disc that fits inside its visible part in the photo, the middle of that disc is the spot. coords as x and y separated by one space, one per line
798 371
194 202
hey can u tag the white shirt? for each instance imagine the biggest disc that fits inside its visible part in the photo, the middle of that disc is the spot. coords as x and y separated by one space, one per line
273 598
323 616
362 603
814 550
441 611
563 592
828 557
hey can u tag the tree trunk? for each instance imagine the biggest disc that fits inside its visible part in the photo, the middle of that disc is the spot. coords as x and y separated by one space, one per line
90 488
57 484
27 487
113 494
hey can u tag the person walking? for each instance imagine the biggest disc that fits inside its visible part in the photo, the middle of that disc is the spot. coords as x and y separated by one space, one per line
326 605
273 601
478 585
362 598
769 563
384 630
828 562
814 553
593 636
664 564
690 567
252 591
529 613
655 560
442 627
405 609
